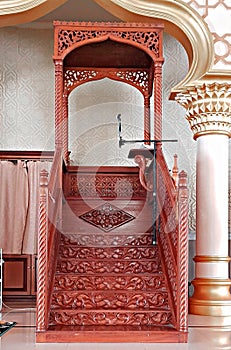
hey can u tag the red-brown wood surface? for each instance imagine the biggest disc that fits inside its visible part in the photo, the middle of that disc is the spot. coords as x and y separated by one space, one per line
101 277
129 53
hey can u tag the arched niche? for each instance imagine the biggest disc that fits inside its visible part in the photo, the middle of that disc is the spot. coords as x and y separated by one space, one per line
130 53
93 129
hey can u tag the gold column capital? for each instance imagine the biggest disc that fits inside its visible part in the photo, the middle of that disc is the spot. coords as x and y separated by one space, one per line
208 108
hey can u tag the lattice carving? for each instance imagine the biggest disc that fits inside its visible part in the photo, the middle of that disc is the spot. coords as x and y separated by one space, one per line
149 38
74 77
110 318
100 282
104 186
139 78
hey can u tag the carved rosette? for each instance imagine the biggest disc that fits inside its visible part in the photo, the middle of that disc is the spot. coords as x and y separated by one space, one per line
208 108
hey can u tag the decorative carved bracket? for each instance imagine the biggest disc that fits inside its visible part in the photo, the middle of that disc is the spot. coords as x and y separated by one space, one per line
141 161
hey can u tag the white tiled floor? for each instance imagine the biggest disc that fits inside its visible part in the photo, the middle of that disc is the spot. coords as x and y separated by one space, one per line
22 336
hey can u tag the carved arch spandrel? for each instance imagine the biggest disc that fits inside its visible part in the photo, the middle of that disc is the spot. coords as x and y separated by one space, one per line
71 35
139 78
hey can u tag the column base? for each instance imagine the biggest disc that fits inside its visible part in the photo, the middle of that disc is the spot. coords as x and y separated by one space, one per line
211 297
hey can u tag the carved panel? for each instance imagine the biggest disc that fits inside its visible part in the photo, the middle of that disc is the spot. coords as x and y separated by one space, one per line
98 318
107 253
108 266
118 300
100 282
74 77
104 186
107 217
148 38
102 240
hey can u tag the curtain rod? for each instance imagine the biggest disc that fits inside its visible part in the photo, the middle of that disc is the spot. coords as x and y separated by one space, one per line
26 155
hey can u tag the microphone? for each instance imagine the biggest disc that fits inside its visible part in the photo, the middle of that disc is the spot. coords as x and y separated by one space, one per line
119 124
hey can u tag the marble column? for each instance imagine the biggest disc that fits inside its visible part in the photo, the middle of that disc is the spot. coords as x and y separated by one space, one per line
209 114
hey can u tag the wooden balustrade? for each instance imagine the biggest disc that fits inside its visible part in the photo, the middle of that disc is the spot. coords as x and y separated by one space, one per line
49 222
172 237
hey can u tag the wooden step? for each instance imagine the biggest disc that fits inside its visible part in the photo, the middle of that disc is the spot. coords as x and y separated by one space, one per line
109 239
111 334
79 266
114 300
110 317
144 282
123 253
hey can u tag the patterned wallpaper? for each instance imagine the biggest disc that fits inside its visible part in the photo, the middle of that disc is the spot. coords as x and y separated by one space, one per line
27 107
217 14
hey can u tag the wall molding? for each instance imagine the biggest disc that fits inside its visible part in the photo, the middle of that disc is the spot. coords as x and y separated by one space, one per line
14 6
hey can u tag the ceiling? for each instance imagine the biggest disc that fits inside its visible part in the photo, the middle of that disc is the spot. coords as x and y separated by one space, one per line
77 11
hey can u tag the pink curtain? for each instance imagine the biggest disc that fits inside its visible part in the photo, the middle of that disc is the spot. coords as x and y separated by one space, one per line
29 244
13 207
19 195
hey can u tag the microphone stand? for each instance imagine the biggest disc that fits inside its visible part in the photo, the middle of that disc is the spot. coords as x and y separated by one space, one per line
122 142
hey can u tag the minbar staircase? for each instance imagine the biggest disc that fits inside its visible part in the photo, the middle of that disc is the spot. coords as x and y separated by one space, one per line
104 280
120 285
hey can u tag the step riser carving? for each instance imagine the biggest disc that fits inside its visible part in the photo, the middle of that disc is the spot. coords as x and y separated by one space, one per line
95 267
98 318
107 240
144 283
108 253
109 300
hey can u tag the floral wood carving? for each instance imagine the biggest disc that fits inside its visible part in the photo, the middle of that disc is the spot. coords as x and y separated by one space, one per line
109 300
148 38
102 240
69 317
107 217
92 267
100 282
74 77
107 253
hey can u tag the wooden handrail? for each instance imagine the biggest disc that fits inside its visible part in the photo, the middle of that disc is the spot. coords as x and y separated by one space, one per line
172 238
49 225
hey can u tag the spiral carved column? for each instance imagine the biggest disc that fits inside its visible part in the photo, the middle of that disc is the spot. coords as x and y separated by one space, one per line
58 103
209 114
182 296
147 127
65 128
158 101
42 304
